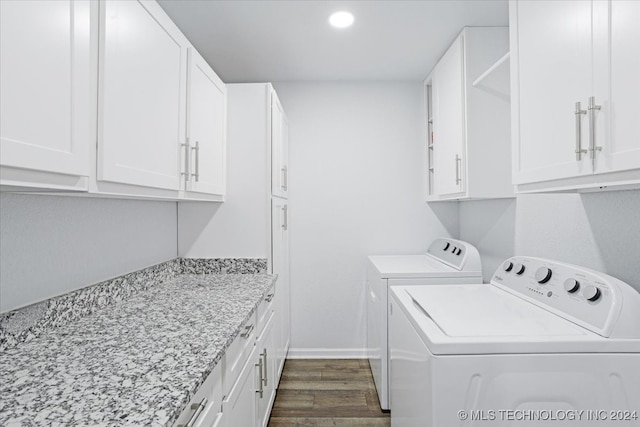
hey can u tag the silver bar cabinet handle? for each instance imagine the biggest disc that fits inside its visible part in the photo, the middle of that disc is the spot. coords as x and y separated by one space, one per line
285 178
196 148
592 126
579 150
265 370
247 331
260 391
187 150
199 407
458 162
285 223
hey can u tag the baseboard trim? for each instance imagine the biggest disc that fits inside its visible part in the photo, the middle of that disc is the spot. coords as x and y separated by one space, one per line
327 353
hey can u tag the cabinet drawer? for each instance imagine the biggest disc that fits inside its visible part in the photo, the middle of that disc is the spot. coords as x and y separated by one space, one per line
205 403
265 309
238 353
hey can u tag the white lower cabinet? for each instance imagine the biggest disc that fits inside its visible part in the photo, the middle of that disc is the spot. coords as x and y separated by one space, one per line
241 389
265 395
204 408
239 407
250 375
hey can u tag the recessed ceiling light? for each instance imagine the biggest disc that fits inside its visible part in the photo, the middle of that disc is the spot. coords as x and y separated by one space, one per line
341 19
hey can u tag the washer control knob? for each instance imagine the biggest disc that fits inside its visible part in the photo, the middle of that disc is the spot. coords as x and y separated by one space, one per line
519 269
543 274
446 246
571 285
507 266
592 293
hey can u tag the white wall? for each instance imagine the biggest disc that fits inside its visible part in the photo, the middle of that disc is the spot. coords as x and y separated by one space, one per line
596 230
239 227
53 245
357 188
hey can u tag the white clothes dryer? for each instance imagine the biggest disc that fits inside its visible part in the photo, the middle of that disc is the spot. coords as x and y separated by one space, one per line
545 343
446 261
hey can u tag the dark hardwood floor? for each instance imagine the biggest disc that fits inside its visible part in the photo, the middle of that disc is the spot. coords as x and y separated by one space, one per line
322 393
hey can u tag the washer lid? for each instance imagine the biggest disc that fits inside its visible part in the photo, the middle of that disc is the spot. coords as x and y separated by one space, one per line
414 266
484 311
481 319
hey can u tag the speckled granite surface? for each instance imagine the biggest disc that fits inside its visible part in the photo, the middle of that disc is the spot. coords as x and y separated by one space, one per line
27 323
224 265
134 362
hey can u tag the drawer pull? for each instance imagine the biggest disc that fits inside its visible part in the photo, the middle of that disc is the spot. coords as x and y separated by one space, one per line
199 407
260 367
264 356
247 331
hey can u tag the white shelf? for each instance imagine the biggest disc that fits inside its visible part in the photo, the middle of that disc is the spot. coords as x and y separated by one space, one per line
496 78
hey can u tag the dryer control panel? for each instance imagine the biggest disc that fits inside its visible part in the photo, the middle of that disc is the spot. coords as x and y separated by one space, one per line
456 253
586 297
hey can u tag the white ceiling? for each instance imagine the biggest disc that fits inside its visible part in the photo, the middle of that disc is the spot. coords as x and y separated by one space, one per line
264 40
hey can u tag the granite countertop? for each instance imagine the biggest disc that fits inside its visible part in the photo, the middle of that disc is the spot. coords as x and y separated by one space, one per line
136 362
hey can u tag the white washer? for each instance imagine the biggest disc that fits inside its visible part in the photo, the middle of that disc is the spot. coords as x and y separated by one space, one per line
546 343
446 261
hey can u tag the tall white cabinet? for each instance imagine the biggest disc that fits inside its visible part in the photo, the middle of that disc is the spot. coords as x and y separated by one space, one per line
575 88
467 104
258 127
47 94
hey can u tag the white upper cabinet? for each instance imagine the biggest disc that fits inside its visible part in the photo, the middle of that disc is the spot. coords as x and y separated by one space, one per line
142 95
448 117
47 106
575 89
109 98
206 128
468 122
618 85
279 149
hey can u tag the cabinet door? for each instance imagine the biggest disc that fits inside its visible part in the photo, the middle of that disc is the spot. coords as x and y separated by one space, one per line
617 69
449 127
551 53
239 407
266 355
46 100
280 266
279 149
142 95
206 127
